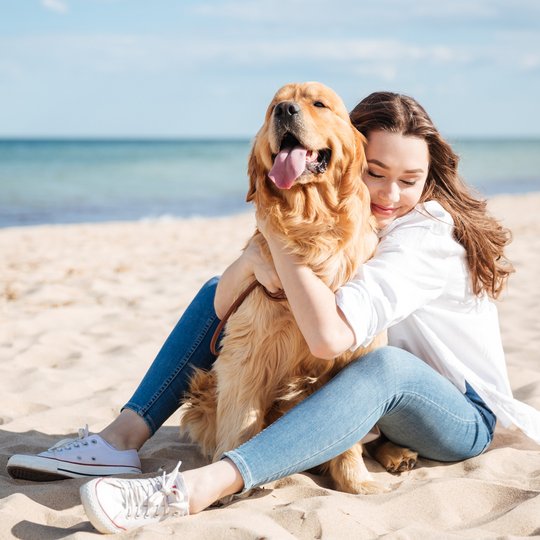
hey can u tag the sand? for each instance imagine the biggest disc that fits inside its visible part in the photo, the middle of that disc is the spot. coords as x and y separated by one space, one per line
85 308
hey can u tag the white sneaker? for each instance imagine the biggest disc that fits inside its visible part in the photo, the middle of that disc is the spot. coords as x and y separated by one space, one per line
116 505
88 455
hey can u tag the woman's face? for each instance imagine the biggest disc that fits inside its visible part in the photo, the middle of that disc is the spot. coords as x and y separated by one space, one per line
396 174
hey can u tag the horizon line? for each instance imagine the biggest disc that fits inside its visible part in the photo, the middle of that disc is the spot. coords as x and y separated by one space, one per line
213 138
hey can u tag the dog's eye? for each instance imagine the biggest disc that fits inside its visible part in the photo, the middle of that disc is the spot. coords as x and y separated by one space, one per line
319 104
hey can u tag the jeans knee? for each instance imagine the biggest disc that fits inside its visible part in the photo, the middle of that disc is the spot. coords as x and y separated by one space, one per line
208 290
202 304
388 357
211 284
392 364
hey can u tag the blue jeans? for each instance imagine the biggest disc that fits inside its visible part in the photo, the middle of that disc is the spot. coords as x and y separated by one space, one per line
412 404
162 389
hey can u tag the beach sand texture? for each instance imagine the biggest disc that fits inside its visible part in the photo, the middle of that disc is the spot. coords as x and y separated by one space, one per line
85 308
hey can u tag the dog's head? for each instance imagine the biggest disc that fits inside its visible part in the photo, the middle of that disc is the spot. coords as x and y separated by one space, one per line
307 138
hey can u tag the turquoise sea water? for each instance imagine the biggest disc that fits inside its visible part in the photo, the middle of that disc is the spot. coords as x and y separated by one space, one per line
53 181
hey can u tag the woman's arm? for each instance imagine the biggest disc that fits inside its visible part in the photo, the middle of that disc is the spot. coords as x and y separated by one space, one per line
313 304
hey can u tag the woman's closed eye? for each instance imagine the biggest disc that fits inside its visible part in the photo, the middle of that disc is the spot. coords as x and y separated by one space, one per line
405 182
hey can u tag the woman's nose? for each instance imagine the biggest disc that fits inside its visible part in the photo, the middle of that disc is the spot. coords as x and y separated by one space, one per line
390 192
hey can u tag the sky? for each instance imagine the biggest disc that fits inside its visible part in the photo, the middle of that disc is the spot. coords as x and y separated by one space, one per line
186 68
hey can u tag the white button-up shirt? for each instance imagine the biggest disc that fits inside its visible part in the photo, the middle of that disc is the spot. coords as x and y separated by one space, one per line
418 287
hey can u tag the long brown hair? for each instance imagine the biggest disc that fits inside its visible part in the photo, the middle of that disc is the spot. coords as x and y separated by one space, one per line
482 236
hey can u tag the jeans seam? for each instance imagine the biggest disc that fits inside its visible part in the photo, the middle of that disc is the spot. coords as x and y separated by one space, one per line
144 409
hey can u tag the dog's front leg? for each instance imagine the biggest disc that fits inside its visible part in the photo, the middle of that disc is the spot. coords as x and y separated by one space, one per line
239 408
350 474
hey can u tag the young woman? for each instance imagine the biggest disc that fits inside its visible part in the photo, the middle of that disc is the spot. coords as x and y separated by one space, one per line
437 389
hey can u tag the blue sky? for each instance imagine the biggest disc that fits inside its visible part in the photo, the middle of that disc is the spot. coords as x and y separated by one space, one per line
188 68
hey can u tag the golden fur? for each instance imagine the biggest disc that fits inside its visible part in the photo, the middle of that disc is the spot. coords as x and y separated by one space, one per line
265 366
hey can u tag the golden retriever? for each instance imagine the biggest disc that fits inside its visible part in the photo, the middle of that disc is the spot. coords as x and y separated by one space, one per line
305 177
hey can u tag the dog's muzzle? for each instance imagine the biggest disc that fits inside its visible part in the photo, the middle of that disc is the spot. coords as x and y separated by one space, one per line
287 119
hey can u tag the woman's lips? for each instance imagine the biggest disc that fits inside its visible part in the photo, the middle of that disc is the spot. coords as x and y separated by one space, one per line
382 210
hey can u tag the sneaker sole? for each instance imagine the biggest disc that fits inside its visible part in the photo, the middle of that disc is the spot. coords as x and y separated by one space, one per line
38 469
93 509
20 473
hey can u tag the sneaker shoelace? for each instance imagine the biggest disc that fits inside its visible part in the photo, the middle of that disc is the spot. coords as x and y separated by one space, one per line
66 444
155 497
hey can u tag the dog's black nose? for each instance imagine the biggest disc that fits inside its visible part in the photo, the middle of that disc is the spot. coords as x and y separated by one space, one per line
287 108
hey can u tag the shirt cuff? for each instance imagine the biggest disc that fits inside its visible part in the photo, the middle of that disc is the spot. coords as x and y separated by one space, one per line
353 314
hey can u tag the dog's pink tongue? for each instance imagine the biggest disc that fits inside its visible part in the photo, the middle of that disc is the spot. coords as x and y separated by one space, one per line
289 164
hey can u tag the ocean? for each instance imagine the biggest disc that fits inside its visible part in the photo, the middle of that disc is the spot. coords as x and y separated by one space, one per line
73 181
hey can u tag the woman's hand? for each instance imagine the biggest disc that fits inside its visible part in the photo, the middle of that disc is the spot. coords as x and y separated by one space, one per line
252 264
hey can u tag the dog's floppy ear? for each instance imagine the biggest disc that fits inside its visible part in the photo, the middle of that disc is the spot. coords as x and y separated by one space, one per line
254 171
351 180
360 144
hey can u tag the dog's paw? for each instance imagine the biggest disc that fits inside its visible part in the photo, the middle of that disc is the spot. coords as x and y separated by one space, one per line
397 460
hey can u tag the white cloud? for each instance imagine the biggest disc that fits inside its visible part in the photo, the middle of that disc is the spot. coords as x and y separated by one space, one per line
236 10
290 12
118 53
479 9
58 6
291 51
383 59
530 62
